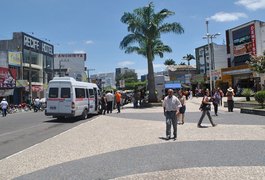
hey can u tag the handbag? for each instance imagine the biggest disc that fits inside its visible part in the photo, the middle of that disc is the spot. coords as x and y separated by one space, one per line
205 107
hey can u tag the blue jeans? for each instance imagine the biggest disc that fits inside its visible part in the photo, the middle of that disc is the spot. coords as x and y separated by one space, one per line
171 118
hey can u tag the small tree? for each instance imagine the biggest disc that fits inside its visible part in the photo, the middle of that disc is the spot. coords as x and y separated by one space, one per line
247 93
260 98
257 63
169 62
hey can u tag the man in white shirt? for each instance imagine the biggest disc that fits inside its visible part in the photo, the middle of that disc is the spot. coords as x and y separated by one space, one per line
171 105
36 104
110 99
4 105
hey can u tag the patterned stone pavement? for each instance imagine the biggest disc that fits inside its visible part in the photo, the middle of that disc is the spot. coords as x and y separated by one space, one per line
130 145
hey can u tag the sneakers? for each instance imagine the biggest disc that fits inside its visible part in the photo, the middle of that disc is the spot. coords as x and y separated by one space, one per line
214 125
199 126
168 138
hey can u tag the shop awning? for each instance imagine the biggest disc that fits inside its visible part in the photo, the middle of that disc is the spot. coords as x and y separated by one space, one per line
185 86
173 86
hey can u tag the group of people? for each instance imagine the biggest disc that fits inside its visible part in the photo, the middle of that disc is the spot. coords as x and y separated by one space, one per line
175 107
107 102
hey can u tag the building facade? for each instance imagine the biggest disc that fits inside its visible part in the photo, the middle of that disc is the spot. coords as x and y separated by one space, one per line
104 80
72 65
218 58
27 62
243 42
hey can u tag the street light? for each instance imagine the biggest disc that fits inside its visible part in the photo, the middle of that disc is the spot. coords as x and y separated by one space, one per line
88 70
209 38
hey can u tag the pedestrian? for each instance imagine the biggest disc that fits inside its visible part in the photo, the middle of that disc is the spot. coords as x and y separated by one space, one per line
190 94
118 101
230 99
36 104
171 105
110 99
182 109
216 100
205 108
222 95
4 106
103 104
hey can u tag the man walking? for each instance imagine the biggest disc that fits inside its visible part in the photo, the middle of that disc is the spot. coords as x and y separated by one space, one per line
118 101
4 105
110 98
171 105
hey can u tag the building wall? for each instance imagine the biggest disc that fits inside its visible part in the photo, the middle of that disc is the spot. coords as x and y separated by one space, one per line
107 79
74 63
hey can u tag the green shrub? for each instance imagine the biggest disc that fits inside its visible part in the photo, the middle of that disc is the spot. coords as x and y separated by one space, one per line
260 97
247 92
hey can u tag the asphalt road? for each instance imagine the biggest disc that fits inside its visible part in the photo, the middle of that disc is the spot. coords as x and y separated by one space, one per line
19 131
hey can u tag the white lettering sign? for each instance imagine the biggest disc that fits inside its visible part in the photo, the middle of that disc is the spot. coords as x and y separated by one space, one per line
47 48
30 42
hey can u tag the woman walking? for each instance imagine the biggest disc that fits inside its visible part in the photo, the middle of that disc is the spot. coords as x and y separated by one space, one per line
205 108
182 99
216 101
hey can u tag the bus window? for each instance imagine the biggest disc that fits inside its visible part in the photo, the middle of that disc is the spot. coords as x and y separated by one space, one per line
80 93
53 93
91 93
65 93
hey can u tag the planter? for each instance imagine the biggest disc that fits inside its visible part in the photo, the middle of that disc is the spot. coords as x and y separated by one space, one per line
260 112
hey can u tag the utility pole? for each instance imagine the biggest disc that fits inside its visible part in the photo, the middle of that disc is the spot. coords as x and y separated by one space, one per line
30 76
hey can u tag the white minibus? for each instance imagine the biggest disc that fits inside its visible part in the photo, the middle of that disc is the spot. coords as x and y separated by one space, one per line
67 97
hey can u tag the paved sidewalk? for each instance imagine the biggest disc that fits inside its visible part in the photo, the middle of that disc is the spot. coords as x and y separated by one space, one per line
110 134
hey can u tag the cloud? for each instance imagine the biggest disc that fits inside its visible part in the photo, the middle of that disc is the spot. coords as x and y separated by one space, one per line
225 17
125 63
89 42
251 4
79 51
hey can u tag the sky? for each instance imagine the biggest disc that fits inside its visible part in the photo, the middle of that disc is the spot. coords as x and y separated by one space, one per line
94 27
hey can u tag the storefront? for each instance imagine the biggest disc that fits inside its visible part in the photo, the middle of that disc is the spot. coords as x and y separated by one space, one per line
32 60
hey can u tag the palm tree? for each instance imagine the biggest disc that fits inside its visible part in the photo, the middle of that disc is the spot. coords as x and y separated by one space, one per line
145 27
169 62
188 58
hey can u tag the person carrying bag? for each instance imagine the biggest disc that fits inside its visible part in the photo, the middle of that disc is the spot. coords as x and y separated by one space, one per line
205 108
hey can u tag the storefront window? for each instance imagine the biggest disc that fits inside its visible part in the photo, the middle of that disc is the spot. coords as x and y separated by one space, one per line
35 57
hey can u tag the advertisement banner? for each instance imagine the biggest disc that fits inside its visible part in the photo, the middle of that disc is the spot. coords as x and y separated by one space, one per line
34 88
243 49
14 58
3 59
6 92
7 77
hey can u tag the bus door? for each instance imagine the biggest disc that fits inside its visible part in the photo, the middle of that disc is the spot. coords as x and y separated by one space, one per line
91 101
96 99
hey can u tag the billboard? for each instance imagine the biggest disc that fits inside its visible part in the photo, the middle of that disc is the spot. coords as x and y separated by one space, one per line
244 41
14 58
7 77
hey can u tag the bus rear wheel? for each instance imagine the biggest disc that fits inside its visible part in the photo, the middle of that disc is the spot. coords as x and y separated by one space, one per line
84 115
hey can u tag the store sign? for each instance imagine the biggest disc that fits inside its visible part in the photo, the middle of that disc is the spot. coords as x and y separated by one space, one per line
14 58
37 45
7 78
6 92
253 39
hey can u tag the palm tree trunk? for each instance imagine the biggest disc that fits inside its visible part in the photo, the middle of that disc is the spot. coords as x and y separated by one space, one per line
151 81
